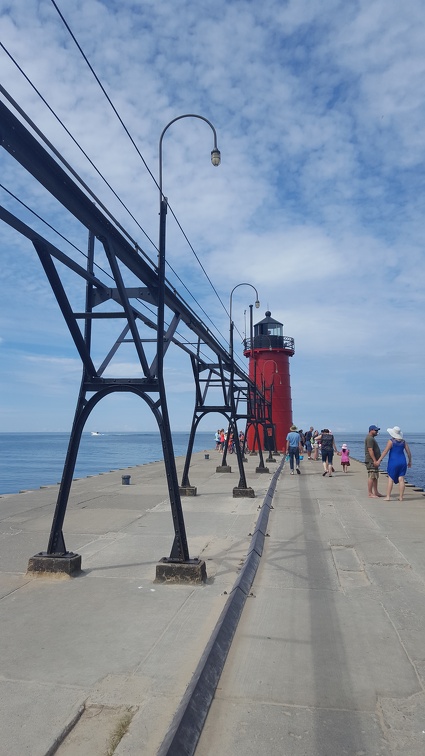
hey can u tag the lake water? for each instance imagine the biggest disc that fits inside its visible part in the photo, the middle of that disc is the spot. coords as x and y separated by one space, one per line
31 460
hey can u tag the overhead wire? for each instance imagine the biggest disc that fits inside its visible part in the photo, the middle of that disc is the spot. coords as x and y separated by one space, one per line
137 247
62 159
135 146
80 180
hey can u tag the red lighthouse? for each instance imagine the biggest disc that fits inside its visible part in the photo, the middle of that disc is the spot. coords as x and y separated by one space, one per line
269 352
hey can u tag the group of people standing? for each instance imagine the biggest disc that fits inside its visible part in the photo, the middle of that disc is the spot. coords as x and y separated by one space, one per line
313 441
223 438
400 456
309 441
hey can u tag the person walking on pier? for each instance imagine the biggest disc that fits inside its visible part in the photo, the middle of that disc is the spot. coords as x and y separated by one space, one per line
293 448
309 441
345 457
372 453
328 447
397 465
315 444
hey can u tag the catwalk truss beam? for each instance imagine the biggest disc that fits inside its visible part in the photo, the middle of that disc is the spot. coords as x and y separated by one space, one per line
115 306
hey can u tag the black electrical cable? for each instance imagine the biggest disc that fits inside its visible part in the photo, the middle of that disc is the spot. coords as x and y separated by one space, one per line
105 93
86 187
60 157
137 150
64 162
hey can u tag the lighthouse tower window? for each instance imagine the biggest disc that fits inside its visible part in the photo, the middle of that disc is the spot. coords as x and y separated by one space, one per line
275 330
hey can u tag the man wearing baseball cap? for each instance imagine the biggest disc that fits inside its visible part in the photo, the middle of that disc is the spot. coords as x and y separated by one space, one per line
372 454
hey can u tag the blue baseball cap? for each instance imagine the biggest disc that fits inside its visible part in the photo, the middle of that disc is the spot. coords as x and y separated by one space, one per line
373 427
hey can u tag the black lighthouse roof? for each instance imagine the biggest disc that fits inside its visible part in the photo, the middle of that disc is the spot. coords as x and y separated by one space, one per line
268 321
268 334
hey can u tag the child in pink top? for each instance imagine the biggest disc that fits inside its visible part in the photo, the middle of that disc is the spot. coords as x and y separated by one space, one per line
345 457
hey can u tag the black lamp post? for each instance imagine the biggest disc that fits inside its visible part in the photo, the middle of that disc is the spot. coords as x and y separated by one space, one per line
163 203
257 304
180 551
232 361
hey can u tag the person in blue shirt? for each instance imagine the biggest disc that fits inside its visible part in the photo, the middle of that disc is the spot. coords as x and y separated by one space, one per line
293 448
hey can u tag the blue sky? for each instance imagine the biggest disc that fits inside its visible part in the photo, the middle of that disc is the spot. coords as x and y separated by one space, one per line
318 202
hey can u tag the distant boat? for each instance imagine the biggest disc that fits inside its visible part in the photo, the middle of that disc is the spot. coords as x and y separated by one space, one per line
95 433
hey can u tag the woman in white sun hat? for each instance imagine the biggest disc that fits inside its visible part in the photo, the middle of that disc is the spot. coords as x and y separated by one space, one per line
397 465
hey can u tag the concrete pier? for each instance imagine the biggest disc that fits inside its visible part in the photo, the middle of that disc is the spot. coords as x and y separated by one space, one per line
328 655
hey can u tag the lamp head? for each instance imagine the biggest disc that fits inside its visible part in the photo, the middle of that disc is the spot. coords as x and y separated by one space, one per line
257 304
215 157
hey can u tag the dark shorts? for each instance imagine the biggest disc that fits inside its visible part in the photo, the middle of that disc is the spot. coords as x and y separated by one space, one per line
373 474
308 445
327 455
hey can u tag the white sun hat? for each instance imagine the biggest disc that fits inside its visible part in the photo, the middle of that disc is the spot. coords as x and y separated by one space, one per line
395 432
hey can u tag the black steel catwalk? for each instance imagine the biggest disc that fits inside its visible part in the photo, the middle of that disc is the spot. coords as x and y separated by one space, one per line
119 305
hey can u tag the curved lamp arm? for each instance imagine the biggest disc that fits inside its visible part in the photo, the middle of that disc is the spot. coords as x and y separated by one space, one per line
257 302
215 152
